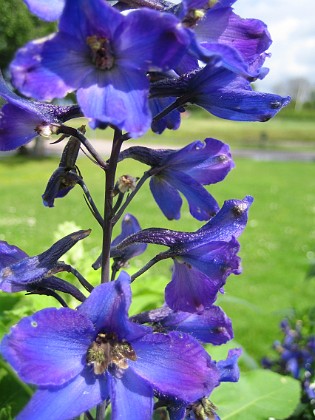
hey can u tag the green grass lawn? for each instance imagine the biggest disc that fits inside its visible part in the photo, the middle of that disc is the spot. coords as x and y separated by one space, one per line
276 248
284 132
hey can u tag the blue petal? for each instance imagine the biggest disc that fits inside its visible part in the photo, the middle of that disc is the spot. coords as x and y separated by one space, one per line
166 196
49 10
229 370
131 397
47 348
230 221
42 68
207 162
202 205
147 33
161 361
170 121
64 403
215 259
129 226
118 97
17 127
107 308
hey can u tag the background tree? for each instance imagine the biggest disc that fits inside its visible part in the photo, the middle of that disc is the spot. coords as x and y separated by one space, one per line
17 26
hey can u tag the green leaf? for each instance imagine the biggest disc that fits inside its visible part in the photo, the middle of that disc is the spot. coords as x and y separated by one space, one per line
259 395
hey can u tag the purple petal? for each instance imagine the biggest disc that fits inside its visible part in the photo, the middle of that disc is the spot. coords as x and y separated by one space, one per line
166 196
190 290
161 361
67 402
49 10
47 348
249 36
131 397
107 308
211 326
117 92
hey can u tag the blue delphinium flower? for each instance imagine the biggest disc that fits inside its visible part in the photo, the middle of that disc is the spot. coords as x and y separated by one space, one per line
221 92
185 170
296 357
249 38
21 120
203 259
106 61
79 358
19 272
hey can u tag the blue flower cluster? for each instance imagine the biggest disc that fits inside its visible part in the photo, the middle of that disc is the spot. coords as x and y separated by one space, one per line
133 66
296 357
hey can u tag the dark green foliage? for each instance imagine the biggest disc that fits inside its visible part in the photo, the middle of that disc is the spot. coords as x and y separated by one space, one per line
17 26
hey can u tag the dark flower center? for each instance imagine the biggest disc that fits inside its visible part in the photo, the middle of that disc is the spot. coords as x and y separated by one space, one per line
101 52
106 349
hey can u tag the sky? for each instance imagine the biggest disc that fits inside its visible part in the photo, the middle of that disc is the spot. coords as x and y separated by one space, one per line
291 24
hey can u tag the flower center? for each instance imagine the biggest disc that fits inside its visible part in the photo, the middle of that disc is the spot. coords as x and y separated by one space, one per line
106 349
101 51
